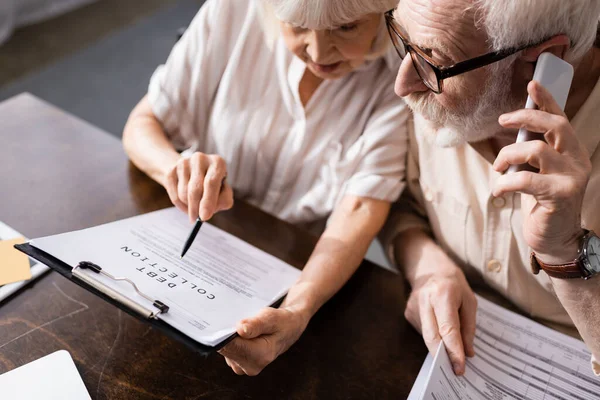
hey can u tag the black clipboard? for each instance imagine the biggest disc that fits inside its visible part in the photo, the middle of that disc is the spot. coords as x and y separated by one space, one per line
66 271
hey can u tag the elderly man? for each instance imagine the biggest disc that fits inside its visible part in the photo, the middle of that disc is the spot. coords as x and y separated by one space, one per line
463 217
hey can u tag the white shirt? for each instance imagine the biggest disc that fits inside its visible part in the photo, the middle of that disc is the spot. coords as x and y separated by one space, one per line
225 91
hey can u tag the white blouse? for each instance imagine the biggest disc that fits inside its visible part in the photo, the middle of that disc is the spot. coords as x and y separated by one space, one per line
225 91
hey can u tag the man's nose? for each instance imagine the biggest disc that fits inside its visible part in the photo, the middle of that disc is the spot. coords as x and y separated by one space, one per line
408 80
318 46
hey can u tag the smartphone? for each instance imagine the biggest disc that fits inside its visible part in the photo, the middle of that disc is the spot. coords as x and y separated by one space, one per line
556 76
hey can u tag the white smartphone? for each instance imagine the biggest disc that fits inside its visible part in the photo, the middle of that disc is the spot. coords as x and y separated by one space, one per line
556 76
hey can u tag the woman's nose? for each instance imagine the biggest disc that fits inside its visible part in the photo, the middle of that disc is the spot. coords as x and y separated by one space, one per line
318 46
408 80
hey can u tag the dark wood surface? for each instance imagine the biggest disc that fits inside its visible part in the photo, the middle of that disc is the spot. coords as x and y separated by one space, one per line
58 174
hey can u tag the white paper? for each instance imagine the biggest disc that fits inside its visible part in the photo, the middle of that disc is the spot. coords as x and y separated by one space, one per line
516 358
53 377
221 280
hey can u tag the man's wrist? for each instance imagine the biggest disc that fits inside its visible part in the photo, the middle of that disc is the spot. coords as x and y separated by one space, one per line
563 254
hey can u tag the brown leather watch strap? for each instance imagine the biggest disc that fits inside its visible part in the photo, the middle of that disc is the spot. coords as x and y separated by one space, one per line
570 270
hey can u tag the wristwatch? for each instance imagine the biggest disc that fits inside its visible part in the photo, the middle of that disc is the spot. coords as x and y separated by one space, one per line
586 265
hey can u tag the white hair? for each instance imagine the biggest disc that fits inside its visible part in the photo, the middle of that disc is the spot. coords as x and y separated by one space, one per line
512 23
326 14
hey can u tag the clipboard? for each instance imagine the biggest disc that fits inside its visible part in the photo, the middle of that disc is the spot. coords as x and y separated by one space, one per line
66 271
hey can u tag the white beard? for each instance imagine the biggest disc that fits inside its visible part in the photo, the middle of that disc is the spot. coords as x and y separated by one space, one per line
474 121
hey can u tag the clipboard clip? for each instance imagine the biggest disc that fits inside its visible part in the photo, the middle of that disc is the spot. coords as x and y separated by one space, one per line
162 307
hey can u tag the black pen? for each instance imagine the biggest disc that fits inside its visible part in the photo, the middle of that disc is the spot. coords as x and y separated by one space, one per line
197 226
191 237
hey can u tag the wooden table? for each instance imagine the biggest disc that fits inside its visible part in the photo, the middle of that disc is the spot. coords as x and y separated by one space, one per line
58 173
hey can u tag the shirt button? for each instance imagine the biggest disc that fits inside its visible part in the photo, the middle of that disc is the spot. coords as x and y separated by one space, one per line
494 266
428 194
498 202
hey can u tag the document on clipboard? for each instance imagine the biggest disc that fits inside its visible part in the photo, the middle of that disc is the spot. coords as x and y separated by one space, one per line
136 263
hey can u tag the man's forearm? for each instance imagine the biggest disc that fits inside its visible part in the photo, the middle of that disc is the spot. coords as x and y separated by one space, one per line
581 299
418 255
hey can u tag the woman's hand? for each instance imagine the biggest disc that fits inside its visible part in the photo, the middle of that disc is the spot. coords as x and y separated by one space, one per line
263 338
197 186
338 253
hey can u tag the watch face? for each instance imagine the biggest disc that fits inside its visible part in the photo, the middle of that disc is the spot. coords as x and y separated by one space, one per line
593 254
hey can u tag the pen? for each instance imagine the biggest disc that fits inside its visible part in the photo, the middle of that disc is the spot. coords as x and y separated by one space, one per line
197 225
191 237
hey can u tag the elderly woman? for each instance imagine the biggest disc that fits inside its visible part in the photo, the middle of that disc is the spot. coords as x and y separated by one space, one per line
292 102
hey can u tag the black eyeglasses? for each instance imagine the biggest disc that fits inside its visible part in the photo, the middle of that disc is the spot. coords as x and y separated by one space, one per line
432 74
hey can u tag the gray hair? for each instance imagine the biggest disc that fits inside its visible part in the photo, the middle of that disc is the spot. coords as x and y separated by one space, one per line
512 23
326 14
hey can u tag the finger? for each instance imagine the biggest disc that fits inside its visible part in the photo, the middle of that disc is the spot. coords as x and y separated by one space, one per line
236 350
198 165
252 356
171 187
411 312
533 120
429 326
536 153
237 368
213 183
537 185
225 198
557 129
183 178
446 314
468 326
266 322
544 99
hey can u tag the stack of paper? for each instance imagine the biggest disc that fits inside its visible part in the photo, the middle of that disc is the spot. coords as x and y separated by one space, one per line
516 358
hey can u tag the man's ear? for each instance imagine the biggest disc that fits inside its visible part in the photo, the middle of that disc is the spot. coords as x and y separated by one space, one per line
557 45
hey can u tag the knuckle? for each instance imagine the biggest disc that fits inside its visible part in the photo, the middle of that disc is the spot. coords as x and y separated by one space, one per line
473 299
539 147
213 179
195 185
181 163
563 124
265 360
408 313
523 179
431 337
218 161
447 329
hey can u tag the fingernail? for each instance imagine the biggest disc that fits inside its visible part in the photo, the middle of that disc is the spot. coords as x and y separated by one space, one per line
245 329
503 118
456 368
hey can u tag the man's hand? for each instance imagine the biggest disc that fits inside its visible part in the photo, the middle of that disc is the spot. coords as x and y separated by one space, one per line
441 305
263 338
553 197
197 186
